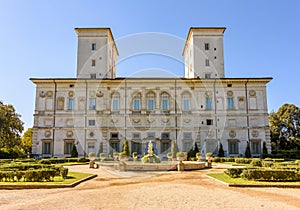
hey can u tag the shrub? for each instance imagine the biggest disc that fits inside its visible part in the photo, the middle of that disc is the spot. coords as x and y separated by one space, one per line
221 151
270 175
91 154
209 154
147 158
64 172
248 152
234 172
45 161
243 160
125 150
267 163
256 162
134 154
74 152
83 160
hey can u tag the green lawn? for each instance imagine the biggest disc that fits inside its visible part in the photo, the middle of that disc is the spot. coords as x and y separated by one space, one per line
72 177
225 178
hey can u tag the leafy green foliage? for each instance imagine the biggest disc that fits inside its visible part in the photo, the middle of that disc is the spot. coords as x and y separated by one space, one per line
285 127
265 150
248 152
125 150
26 140
192 153
74 152
256 162
11 126
221 151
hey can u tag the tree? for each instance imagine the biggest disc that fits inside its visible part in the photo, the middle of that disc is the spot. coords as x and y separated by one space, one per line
285 127
74 152
265 150
26 140
221 151
248 152
125 150
11 126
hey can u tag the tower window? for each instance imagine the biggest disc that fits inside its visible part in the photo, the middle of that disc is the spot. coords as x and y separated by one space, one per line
206 62
207 76
93 62
209 122
206 46
93 76
93 46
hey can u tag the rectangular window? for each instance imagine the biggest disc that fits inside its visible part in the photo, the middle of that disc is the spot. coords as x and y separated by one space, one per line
208 103
206 46
114 146
68 148
165 104
233 147
209 122
206 62
207 76
92 104
186 103
92 122
230 104
114 135
93 62
93 76
93 46
165 136
165 146
47 148
71 104
150 104
151 135
136 136
136 104
187 135
255 147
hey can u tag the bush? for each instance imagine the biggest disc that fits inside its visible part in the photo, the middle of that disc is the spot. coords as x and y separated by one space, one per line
221 151
83 160
267 163
270 175
234 172
147 158
45 161
74 152
256 162
243 160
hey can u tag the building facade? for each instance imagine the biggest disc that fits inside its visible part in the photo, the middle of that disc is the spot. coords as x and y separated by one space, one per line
96 110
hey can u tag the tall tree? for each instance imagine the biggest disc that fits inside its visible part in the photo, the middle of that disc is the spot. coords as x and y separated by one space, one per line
221 151
248 151
285 127
11 126
26 140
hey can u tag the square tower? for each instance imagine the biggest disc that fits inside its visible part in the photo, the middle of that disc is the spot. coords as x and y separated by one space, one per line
203 53
96 53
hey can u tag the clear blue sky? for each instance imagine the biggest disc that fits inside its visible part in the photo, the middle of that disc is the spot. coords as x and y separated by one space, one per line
37 39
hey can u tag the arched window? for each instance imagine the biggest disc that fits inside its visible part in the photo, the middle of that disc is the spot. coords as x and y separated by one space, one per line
165 101
150 101
115 101
136 102
186 98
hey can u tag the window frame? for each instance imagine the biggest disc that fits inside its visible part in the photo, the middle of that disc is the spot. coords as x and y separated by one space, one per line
70 103
92 103
165 102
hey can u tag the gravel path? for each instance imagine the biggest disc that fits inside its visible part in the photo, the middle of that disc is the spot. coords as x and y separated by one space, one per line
130 190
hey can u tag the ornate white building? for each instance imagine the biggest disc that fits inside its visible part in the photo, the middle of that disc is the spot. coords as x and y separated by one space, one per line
96 110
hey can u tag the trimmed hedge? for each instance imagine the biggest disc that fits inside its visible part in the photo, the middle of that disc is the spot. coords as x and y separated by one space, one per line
234 172
270 175
31 172
243 160
222 159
